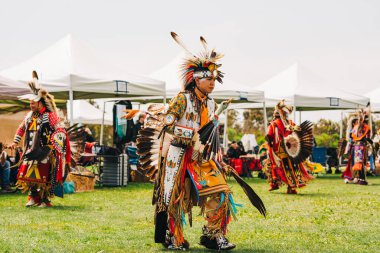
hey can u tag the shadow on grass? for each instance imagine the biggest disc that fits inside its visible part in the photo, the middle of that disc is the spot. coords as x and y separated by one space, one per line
234 250
131 186
329 177
300 194
67 207
314 194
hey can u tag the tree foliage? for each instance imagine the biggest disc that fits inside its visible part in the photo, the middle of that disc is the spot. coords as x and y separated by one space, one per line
252 123
326 133
327 140
326 126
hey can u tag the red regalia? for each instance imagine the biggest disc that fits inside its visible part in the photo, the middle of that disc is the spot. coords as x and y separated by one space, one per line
46 148
288 146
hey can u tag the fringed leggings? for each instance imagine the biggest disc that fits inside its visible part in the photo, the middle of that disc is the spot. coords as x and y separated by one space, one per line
216 209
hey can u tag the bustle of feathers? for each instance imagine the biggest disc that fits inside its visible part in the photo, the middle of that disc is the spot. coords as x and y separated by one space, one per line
342 143
149 132
77 141
149 141
154 109
305 135
150 144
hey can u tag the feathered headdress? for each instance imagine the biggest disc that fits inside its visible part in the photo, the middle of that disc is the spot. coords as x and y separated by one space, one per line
202 66
281 109
361 115
39 93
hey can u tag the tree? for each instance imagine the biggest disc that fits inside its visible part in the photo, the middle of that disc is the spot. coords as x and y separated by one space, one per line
233 127
326 133
326 126
253 123
327 140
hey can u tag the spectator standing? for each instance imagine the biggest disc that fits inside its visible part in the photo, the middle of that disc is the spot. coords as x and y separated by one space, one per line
5 170
139 124
241 148
233 151
88 135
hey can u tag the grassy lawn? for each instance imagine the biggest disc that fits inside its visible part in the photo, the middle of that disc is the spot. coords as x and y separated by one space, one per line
327 216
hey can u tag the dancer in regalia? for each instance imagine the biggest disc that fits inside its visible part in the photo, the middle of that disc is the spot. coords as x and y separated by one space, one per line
180 151
46 148
358 140
289 146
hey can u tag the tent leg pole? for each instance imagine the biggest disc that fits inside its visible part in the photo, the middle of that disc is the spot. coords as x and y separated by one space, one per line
341 125
370 120
341 133
102 126
299 114
71 100
265 117
225 132
165 99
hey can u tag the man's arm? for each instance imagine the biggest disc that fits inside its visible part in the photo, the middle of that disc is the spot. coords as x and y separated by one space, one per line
177 107
270 137
19 134
54 121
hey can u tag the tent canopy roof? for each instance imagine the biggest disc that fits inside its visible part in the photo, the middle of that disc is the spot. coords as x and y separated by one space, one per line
10 89
229 89
374 96
304 89
71 64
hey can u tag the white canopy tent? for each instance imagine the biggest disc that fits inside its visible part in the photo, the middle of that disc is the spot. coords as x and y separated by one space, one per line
374 96
306 91
71 69
86 113
10 89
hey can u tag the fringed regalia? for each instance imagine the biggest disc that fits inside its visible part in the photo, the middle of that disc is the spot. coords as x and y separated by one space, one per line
180 151
289 146
357 145
46 149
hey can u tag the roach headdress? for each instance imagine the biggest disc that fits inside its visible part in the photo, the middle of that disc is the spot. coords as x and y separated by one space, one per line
39 94
282 109
203 65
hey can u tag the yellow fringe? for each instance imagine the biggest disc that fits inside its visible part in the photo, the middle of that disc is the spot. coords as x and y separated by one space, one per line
43 189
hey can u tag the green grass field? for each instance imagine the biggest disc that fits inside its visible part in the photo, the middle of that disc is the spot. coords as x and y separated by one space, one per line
327 216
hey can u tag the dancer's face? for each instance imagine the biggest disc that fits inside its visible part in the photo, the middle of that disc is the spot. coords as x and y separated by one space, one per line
205 85
34 106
